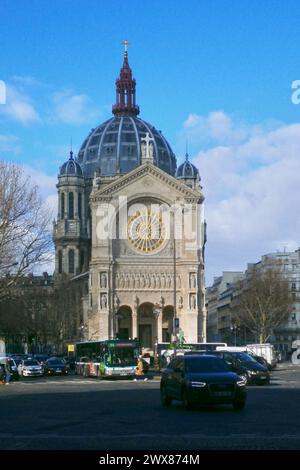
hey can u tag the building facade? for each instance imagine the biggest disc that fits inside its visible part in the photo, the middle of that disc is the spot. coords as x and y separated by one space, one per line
218 304
132 223
222 299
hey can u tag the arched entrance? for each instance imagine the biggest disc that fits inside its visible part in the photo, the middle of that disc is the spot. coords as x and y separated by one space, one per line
147 326
124 322
167 323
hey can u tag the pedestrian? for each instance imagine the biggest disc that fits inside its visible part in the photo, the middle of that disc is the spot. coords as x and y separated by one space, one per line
139 371
7 372
2 374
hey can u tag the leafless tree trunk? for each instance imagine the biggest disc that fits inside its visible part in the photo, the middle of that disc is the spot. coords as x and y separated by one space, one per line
25 238
263 302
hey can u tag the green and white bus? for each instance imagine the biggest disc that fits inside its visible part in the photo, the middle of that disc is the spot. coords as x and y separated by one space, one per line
110 358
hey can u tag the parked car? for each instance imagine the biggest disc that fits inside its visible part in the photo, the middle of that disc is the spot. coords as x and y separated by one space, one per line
56 366
201 379
261 360
30 368
246 366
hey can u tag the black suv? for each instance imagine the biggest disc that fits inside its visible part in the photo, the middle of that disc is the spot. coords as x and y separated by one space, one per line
201 379
245 366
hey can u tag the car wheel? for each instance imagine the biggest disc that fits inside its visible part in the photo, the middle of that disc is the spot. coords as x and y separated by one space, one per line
239 405
164 398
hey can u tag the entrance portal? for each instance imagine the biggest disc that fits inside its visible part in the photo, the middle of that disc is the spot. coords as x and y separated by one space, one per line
147 326
145 336
124 320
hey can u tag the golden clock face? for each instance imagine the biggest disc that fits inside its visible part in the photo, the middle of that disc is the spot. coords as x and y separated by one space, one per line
146 231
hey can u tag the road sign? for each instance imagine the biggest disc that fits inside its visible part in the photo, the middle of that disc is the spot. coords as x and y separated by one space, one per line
176 322
71 347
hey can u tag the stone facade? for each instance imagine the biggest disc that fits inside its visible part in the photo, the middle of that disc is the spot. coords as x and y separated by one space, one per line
139 281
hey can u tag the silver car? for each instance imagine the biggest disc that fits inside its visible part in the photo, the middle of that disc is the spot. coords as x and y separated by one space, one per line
30 368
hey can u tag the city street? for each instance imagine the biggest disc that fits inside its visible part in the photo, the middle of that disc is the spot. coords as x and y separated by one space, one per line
83 413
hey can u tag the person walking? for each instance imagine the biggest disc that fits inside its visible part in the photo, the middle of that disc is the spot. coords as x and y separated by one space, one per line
139 371
2 374
7 372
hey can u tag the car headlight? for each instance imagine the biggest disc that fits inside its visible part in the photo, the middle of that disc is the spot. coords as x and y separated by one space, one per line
198 384
253 372
241 383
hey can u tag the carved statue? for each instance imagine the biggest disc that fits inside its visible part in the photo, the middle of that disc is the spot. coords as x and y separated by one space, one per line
193 301
193 281
158 283
151 150
116 302
180 302
163 281
143 149
103 301
103 280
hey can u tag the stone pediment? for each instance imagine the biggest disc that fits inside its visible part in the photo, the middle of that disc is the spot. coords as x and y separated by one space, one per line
148 174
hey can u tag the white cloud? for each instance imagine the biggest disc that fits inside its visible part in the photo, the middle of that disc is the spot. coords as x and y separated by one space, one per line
252 190
9 144
71 108
19 107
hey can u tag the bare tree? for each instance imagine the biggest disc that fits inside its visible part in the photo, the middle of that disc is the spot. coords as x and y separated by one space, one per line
25 238
263 302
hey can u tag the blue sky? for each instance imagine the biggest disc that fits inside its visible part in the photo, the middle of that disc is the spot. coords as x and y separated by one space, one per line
60 59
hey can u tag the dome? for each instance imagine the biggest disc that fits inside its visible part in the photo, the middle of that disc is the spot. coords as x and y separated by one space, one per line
71 167
187 170
114 147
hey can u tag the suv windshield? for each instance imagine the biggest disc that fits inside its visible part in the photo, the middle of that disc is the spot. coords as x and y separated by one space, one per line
205 364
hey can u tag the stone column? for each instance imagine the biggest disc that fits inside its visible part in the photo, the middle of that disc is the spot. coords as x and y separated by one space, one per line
134 325
135 317
159 326
158 312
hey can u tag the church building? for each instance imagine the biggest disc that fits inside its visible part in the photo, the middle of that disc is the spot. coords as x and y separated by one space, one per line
132 223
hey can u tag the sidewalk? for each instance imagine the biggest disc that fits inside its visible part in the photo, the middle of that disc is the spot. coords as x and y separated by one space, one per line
286 366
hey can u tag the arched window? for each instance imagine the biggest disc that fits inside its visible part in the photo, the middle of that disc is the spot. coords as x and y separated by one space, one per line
71 205
71 262
62 205
60 260
80 206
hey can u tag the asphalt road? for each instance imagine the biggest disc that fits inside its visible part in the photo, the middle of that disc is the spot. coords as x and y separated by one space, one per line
79 413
